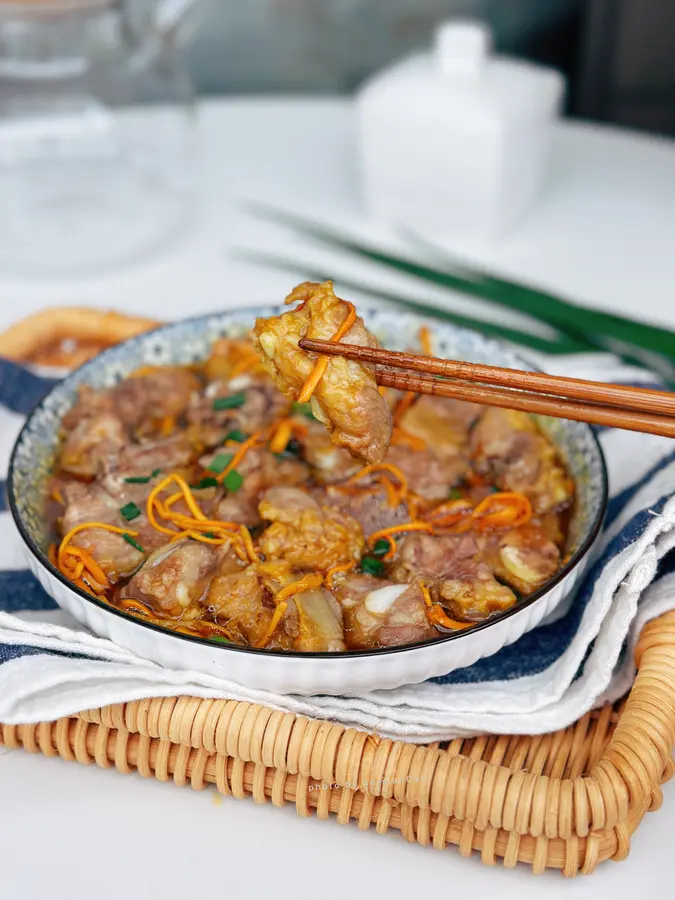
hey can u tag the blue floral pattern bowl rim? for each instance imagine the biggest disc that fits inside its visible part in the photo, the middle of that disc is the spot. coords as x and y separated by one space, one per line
521 605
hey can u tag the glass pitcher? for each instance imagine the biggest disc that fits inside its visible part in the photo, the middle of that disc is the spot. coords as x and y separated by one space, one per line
95 130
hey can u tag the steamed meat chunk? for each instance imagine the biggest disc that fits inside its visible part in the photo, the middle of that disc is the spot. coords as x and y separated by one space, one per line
92 447
370 508
507 445
444 424
319 622
433 558
379 613
98 422
346 399
175 578
122 492
263 404
329 462
456 573
140 401
475 596
239 508
90 402
429 476
165 454
523 557
143 401
102 502
306 534
91 503
312 621
244 604
260 470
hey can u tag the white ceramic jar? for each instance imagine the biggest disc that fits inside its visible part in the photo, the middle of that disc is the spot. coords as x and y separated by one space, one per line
456 141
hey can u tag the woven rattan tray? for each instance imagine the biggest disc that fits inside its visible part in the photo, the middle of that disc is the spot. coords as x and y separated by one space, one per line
566 800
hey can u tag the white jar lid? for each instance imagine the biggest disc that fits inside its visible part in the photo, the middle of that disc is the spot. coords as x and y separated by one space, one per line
464 83
461 47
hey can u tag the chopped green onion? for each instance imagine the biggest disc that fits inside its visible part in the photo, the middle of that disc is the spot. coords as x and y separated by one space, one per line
381 547
303 409
231 402
142 479
372 566
455 494
219 640
233 481
128 538
208 534
236 435
130 511
220 462
204 483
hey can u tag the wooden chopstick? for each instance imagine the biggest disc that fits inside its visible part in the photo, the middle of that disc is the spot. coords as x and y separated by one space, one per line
613 395
527 401
617 406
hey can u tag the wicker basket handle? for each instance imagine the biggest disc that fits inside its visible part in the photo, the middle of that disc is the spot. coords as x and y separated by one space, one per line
641 748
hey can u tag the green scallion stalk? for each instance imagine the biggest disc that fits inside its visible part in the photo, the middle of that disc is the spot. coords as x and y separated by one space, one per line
128 538
232 402
381 547
220 462
142 479
233 481
236 435
372 566
204 483
633 340
560 344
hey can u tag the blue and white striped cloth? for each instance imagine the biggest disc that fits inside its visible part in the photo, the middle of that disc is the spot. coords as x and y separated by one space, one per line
50 667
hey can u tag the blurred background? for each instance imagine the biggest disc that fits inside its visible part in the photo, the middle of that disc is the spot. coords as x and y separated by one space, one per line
618 55
135 136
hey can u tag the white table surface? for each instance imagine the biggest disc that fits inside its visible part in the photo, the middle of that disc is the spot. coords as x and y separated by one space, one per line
604 234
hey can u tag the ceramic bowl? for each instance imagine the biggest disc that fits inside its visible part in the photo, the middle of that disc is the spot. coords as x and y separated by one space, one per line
285 672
